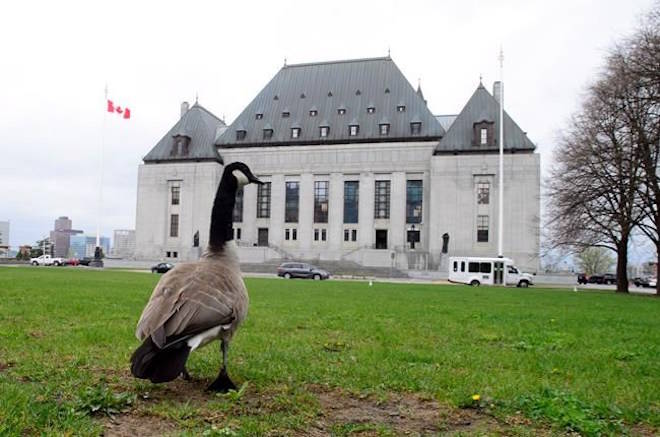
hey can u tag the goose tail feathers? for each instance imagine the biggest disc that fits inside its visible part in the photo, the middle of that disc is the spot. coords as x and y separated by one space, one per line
159 365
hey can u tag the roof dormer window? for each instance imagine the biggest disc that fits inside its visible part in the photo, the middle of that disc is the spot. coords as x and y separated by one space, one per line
313 112
324 131
415 127
371 109
401 108
295 132
341 111
384 128
268 134
353 130
483 140
241 134
259 116
286 114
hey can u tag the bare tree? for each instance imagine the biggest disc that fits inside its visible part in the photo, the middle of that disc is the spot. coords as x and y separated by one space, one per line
595 260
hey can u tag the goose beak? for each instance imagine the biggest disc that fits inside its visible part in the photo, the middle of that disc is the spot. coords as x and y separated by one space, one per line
253 179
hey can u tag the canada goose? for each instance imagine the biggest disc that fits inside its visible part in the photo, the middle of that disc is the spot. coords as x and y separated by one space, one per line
196 303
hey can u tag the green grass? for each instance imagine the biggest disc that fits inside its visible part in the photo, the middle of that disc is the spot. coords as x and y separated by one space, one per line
587 362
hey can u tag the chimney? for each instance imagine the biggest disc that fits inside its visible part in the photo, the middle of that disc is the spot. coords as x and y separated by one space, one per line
184 108
497 87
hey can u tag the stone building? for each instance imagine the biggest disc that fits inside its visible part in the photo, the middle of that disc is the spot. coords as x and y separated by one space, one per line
61 236
356 168
123 243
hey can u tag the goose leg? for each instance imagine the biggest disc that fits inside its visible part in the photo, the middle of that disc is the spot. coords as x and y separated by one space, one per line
222 383
185 375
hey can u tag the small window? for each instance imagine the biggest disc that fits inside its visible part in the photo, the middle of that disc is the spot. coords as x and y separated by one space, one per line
354 234
401 108
286 114
240 134
483 193
176 195
384 129
294 234
313 112
387 90
455 266
295 132
286 234
276 97
358 93
259 116
341 111
324 130
268 134
237 233
302 96
473 267
323 234
353 130
415 128
482 228
174 225
462 266
168 254
346 234
329 93
316 235
371 109
175 254
485 267
484 136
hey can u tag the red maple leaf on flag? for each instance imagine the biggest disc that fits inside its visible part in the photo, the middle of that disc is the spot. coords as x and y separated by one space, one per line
119 110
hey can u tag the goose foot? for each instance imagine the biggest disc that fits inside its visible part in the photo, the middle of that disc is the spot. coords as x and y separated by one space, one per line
222 383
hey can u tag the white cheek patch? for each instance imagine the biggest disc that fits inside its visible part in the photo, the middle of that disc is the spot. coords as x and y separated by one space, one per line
240 177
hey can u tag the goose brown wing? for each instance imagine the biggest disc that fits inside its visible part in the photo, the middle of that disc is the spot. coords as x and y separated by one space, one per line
189 299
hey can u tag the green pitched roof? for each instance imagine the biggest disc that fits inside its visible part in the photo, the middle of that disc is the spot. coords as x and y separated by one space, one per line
199 128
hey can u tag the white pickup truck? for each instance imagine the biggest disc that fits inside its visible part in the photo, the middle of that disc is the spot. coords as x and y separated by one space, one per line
47 260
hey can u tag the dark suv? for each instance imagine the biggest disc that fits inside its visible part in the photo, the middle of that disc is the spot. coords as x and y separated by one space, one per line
301 270
609 278
582 278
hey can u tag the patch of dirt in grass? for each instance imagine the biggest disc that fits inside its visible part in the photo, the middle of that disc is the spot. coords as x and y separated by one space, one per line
400 413
129 425
5 366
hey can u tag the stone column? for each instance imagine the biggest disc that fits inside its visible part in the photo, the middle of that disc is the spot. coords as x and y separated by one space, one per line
336 211
277 198
366 233
249 230
306 211
397 210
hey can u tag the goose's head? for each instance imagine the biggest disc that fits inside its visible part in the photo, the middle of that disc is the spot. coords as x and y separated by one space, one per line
241 174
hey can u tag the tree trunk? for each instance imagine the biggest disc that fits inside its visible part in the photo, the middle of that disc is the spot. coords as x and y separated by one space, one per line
657 251
622 266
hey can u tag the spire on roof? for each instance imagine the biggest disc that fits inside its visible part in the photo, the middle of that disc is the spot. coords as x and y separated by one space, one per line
419 90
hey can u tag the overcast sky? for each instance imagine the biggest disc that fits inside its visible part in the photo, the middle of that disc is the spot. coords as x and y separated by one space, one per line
57 57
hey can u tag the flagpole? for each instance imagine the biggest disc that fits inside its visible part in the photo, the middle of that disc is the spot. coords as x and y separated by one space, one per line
99 262
500 220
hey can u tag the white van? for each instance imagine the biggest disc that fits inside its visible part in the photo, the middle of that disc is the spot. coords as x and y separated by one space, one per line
491 271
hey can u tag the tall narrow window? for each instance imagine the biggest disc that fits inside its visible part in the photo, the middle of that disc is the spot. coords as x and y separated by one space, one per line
321 201
482 228
291 202
415 128
176 195
324 131
237 213
351 199
263 200
295 132
483 193
353 130
382 200
414 194
268 134
174 225
484 136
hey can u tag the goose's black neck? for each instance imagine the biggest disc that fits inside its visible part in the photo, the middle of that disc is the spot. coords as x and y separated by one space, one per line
221 216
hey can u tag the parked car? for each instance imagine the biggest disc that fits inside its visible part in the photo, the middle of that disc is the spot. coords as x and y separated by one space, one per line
162 268
609 278
72 262
595 279
582 278
301 270
85 261
46 260
641 282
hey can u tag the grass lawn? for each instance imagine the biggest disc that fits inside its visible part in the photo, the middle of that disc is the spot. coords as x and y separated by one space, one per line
333 357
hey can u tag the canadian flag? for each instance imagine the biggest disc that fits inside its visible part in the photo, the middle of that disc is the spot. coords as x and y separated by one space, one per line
119 110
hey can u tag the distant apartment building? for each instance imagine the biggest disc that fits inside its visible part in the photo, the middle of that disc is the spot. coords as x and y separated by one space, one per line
61 236
123 243
84 245
4 238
